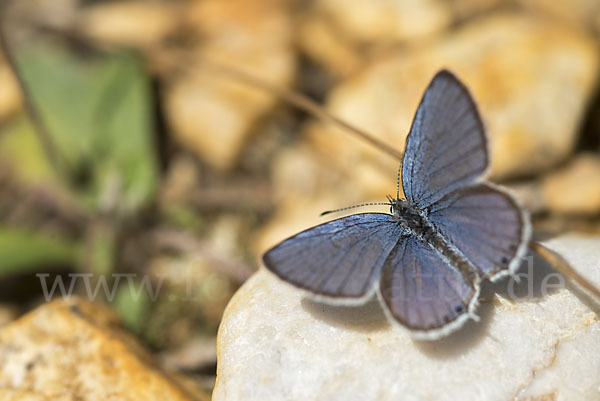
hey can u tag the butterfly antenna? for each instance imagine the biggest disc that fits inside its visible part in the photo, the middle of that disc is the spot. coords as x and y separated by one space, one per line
354 207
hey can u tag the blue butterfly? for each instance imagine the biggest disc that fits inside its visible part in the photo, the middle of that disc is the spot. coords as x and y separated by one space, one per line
426 259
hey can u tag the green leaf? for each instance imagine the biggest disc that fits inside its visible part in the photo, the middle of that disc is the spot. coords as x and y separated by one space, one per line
127 133
133 305
183 216
98 117
21 151
23 250
101 251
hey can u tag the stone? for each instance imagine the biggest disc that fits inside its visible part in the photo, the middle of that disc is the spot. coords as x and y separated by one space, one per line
7 314
322 44
137 24
76 350
575 188
463 9
210 112
10 95
580 13
386 21
532 79
539 338
340 35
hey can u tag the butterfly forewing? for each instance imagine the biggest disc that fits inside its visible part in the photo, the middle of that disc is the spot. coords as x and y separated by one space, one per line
486 225
339 259
422 290
446 148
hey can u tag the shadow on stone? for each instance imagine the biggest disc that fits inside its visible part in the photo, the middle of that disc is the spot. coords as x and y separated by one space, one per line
459 342
364 318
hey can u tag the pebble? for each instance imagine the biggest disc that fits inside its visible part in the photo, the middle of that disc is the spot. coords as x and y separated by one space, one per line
538 340
76 350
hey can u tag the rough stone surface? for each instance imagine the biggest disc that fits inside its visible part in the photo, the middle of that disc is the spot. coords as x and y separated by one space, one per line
74 350
275 344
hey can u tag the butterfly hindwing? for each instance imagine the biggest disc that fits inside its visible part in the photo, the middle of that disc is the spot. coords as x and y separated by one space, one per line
486 225
339 259
446 148
423 291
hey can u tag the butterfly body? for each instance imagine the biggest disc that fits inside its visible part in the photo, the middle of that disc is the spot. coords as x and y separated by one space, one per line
416 224
425 260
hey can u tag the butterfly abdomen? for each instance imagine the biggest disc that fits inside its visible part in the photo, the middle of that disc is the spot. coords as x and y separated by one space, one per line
456 259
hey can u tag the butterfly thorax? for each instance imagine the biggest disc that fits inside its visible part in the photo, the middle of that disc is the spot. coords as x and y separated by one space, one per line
415 222
412 219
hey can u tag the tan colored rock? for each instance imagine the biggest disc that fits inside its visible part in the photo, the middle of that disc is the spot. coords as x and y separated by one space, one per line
75 350
318 39
537 340
7 314
211 113
467 8
10 95
574 188
577 12
342 36
531 78
387 21
139 24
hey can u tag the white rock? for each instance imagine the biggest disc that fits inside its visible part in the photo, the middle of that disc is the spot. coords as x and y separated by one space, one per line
275 344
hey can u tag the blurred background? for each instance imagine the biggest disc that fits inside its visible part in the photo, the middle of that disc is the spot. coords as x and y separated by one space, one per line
131 157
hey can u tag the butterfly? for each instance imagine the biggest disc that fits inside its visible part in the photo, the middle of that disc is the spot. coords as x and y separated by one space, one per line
426 259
